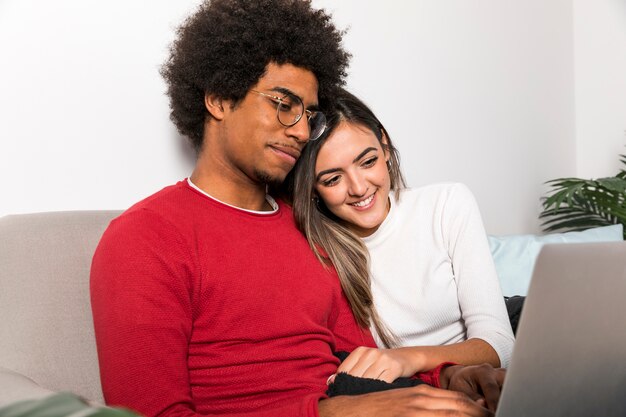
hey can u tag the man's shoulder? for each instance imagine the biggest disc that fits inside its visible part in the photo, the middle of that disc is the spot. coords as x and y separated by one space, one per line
161 199
157 210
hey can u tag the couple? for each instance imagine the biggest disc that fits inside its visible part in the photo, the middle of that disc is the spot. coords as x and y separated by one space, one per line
207 299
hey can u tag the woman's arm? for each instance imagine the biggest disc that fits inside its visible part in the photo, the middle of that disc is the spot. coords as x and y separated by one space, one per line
477 294
389 364
478 290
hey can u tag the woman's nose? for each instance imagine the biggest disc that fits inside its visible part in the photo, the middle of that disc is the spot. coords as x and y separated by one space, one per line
358 186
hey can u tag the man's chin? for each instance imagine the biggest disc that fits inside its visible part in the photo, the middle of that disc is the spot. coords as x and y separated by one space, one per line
273 181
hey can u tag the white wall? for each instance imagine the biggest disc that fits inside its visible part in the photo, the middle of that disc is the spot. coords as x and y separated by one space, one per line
84 122
600 62
477 91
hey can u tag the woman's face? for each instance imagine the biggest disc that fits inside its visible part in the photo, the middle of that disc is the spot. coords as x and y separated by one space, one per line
352 179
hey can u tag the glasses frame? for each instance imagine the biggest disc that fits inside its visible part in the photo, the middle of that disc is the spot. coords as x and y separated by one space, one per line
309 114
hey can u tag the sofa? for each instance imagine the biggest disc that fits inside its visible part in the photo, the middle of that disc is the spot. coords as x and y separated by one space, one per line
47 341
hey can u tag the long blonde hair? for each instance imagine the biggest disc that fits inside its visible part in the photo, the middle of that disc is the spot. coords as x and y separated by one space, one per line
331 241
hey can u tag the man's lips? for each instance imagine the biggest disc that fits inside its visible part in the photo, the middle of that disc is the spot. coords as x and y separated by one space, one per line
287 151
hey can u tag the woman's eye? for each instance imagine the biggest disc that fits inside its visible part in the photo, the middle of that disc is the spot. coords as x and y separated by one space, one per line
370 162
331 181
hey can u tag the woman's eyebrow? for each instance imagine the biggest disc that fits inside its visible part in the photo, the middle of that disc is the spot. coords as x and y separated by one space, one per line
326 171
362 154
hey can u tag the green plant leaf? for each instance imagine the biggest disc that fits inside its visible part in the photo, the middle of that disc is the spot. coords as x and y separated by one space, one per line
579 204
615 184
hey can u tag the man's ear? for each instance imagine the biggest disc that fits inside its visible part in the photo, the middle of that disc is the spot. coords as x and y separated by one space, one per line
214 106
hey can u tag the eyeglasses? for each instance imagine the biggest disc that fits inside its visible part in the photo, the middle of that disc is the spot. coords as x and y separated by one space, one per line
289 111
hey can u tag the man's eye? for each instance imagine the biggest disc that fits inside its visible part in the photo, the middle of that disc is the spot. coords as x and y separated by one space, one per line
285 105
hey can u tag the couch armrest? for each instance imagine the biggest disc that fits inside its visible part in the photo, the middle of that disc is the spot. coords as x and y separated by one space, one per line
17 387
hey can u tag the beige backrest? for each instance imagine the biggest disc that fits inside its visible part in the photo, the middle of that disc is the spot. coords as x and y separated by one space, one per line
46 329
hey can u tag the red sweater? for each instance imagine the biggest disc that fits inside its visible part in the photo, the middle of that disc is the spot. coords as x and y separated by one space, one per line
204 309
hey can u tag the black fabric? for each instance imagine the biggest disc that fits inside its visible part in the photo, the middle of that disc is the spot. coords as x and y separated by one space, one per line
514 306
345 384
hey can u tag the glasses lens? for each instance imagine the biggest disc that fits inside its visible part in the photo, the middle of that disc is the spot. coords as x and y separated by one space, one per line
317 125
290 109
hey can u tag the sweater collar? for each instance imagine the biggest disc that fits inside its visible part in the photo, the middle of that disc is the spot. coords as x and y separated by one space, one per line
269 199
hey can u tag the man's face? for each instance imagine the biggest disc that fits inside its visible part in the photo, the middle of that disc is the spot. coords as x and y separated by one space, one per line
253 142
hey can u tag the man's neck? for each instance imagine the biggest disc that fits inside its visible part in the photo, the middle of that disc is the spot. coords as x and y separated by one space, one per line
231 190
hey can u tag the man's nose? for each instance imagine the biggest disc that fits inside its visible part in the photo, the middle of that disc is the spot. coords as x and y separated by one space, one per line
300 131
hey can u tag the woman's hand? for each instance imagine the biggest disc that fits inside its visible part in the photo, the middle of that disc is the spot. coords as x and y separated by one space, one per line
384 364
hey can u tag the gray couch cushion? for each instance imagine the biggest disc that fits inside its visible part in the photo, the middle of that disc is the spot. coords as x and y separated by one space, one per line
46 330
17 387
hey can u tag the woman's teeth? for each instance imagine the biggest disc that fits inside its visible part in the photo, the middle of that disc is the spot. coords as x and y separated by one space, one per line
364 202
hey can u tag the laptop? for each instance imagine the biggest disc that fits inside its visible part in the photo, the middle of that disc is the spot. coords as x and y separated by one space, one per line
569 357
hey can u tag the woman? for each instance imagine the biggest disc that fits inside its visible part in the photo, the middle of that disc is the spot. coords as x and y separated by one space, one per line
414 263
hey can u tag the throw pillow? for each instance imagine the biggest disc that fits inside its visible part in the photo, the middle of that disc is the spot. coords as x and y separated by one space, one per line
515 255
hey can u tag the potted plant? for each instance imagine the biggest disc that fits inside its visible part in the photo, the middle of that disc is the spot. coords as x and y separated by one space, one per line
575 204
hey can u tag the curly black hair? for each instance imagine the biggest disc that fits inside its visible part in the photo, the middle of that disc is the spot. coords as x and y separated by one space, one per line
224 48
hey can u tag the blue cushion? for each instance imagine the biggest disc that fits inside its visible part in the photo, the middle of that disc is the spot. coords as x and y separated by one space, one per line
515 255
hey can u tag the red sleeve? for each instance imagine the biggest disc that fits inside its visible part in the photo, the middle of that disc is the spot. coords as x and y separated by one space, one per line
141 296
432 377
348 334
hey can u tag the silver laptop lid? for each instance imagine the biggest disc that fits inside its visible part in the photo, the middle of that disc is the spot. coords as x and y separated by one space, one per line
569 358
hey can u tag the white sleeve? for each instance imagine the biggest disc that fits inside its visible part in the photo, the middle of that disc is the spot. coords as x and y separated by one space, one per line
480 297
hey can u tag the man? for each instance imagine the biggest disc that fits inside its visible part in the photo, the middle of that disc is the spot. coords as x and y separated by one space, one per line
206 299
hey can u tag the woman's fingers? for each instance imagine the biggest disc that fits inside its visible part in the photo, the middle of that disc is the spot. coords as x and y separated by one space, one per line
372 363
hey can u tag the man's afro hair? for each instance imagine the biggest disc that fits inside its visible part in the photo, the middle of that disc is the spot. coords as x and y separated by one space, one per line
224 48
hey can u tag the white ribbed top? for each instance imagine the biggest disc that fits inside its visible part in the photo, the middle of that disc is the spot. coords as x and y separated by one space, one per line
433 277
